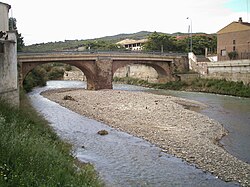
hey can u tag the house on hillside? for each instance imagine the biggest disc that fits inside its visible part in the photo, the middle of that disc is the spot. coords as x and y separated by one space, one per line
233 41
133 45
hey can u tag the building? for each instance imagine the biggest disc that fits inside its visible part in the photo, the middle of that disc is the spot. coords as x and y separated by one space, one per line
133 45
9 89
233 41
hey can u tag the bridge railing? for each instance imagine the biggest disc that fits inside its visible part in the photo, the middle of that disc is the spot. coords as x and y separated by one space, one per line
127 52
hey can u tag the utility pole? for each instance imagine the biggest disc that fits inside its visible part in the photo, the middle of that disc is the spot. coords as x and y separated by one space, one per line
191 39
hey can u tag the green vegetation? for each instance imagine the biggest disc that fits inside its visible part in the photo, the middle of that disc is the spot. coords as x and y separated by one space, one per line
160 42
233 55
166 43
13 27
74 44
39 75
157 42
198 85
31 154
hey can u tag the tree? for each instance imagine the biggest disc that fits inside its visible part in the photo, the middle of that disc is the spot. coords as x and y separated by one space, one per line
159 42
13 27
202 42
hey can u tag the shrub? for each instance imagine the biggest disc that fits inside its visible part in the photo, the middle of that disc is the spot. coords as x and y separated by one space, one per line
233 55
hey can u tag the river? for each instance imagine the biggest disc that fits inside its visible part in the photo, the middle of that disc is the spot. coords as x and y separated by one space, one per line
124 160
232 112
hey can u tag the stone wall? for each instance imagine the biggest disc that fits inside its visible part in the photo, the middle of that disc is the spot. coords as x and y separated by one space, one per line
237 70
74 75
138 71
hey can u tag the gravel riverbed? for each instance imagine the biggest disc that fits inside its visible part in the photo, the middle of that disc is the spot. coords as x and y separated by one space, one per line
163 121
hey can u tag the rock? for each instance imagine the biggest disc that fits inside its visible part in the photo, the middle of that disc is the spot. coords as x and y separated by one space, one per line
102 132
68 97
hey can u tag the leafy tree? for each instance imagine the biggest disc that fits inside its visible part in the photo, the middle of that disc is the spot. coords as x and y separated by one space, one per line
101 45
13 27
181 45
55 73
202 42
158 42
37 77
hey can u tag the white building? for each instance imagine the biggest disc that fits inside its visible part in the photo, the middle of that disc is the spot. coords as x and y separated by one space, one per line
134 45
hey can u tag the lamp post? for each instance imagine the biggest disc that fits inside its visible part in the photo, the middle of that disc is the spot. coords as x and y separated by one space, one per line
248 51
190 32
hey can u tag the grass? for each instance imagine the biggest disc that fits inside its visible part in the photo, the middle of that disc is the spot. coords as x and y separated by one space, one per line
31 154
198 85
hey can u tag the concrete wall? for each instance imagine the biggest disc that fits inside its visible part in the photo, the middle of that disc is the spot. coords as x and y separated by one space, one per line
8 71
236 70
9 89
138 71
4 18
198 67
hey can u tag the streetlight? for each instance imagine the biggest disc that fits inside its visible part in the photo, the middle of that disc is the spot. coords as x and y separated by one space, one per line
190 32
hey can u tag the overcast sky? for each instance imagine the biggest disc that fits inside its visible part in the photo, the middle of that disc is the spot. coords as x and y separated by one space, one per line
59 20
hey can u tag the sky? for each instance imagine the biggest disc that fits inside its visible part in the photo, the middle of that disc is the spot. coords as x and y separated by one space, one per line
59 20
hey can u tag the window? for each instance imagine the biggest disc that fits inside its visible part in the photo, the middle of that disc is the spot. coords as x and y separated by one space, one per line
223 52
1 48
234 42
234 48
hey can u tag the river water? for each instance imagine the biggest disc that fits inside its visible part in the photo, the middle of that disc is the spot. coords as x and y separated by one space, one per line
232 112
124 160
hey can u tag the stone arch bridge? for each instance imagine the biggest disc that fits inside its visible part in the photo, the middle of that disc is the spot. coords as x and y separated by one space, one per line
99 68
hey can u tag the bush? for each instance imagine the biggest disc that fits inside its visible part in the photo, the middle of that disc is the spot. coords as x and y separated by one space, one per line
233 55
55 73
39 75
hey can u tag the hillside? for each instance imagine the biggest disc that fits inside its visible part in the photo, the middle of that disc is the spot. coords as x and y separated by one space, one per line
74 44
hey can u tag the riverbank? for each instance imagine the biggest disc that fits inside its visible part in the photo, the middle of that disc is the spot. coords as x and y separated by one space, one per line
31 154
198 85
163 122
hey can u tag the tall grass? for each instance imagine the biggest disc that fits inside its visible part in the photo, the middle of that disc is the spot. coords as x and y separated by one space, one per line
31 154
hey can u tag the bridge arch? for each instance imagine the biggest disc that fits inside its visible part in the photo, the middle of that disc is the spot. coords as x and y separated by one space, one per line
163 69
86 67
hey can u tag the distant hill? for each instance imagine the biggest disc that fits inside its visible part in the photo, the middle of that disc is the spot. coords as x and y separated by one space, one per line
74 44
119 37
